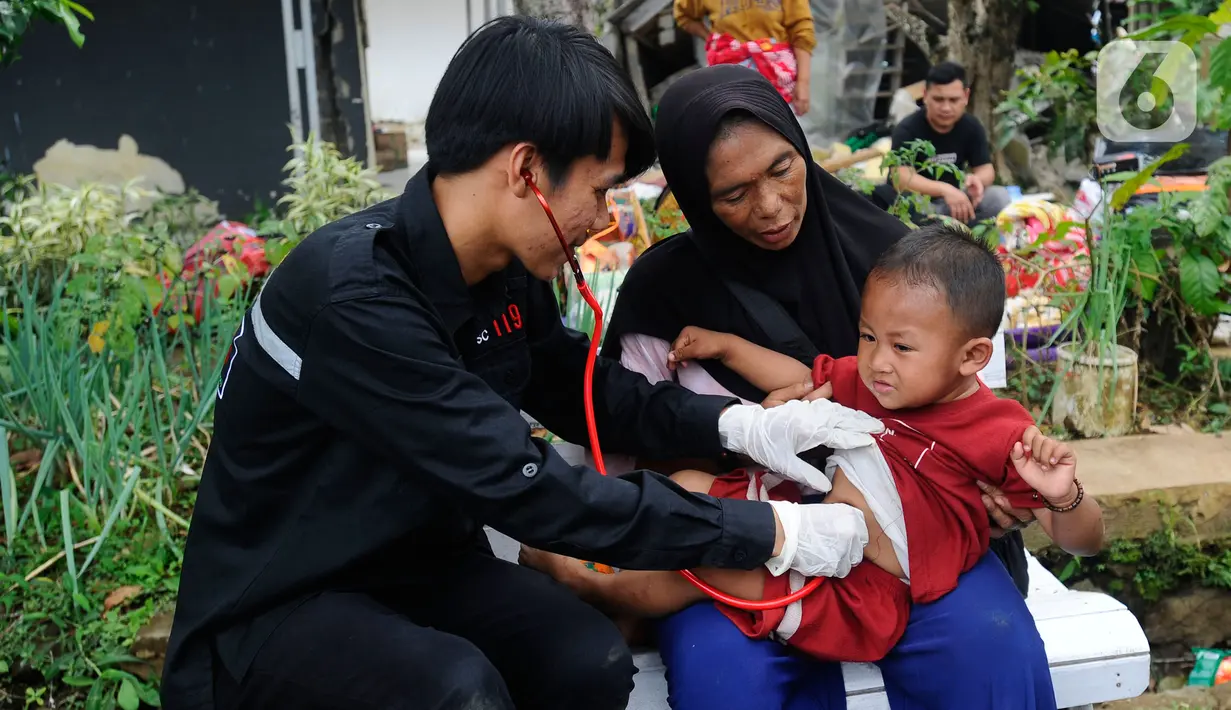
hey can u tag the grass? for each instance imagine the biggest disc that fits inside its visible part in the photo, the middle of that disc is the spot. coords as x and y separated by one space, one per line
105 415
99 455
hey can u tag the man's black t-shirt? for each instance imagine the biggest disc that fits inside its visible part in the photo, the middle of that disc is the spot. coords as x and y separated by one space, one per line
965 145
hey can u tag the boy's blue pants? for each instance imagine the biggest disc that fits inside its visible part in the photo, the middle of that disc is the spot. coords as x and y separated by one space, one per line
976 648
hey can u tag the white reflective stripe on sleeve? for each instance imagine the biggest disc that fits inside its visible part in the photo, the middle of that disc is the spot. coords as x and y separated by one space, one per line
274 346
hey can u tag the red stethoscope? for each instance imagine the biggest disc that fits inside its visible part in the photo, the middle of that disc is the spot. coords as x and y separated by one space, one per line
588 396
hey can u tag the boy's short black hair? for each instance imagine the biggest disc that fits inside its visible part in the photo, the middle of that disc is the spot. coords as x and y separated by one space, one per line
946 73
547 83
946 257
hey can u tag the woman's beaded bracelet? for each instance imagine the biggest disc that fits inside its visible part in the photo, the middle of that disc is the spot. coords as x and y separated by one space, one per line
1081 493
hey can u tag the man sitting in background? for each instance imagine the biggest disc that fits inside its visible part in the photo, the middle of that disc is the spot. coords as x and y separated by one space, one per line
960 140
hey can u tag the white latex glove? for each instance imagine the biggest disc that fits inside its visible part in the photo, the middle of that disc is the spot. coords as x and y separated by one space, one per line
819 540
774 437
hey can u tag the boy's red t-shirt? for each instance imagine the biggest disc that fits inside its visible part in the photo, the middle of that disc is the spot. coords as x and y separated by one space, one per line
936 454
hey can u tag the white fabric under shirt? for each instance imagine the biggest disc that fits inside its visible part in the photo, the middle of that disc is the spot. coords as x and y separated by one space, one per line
648 356
869 472
866 468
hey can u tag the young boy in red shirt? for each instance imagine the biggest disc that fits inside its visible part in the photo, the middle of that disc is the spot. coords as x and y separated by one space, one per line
930 308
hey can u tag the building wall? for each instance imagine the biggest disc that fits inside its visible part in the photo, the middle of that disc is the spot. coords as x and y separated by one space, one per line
410 42
341 76
184 94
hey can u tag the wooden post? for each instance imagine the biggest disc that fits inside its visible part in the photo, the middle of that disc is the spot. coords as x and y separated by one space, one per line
632 55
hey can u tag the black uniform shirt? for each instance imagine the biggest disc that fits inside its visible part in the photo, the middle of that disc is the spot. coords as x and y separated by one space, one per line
368 422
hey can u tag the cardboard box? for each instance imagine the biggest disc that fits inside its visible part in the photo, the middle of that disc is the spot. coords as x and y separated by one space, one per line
390 143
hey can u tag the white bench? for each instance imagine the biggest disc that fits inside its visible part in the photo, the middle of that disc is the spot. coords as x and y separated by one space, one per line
1095 646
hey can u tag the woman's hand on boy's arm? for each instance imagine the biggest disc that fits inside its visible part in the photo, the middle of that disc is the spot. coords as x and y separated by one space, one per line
1028 457
1003 516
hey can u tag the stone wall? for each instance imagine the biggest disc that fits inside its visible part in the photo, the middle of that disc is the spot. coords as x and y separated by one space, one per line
1166 502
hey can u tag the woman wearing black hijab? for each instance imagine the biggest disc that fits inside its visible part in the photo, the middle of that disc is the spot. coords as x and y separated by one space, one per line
777 253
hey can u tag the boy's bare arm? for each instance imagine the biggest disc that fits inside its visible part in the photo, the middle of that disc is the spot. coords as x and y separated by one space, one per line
763 368
1078 532
640 593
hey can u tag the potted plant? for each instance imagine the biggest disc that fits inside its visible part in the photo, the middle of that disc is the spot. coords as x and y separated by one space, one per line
1096 387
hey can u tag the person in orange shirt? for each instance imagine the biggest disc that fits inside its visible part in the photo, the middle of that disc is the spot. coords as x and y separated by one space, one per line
775 37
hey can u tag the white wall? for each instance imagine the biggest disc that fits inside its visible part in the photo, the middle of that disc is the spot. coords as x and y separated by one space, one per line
410 42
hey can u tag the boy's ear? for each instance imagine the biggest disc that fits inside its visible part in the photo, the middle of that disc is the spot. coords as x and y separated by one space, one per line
976 353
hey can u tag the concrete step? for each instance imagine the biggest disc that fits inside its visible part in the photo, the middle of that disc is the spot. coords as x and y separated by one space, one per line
1152 482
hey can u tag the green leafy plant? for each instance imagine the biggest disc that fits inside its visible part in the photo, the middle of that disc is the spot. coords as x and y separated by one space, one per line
323 186
1147 569
120 247
918 155
1217 90
855 179
1213 106
1152 260
663 222
96 445
1184 292
77 650
181 219
1167 9
99 413
1058 94
45 224
1199 229
105 415
1122 261
16 16
1122 265
1206 244
1192 29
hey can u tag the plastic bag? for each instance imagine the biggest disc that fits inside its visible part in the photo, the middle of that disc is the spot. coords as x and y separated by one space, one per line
1028 226
1213 667
847 64
231 249
1089 200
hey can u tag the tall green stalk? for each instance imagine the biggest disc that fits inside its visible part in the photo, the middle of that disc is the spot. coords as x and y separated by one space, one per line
108 423
1115 264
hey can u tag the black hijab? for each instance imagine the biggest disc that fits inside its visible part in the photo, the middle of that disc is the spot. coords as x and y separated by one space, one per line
817 279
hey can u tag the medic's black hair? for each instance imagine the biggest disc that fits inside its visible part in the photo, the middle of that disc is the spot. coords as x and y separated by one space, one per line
947 258
547 83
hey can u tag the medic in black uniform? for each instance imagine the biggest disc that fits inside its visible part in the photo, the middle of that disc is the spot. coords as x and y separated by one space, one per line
367 426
